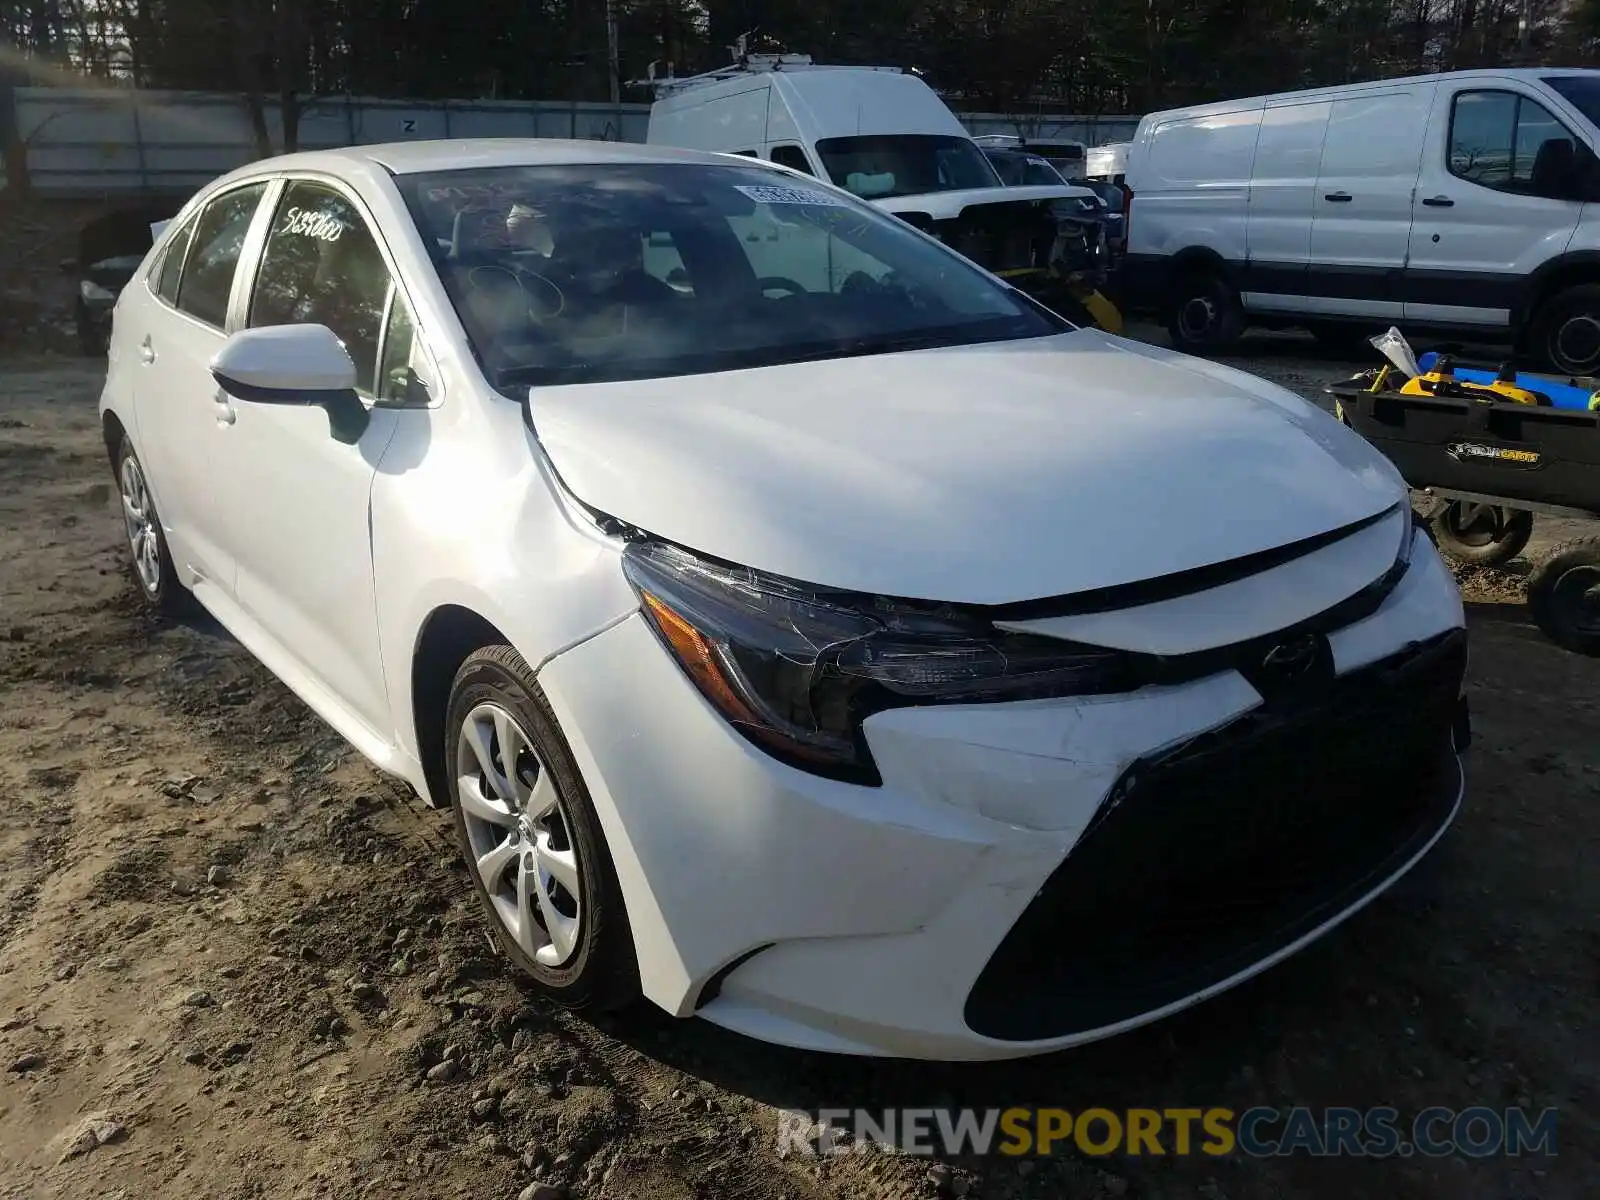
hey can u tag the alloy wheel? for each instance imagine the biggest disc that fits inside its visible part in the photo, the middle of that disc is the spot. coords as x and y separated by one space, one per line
138 517
520 835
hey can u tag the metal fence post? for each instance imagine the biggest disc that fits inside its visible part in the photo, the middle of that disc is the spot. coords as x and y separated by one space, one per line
138 146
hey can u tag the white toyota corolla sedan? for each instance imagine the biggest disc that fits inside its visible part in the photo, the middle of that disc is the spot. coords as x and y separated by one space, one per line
807 631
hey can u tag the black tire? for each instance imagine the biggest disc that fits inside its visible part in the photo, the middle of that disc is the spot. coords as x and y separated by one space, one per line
1483 535
1564 596
1565 333
601 973
168 596
1204 315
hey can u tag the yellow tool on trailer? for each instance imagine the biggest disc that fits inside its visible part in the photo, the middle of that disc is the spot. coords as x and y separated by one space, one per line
1442 381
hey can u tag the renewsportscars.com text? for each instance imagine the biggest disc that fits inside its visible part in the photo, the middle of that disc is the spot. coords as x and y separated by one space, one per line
1477 1132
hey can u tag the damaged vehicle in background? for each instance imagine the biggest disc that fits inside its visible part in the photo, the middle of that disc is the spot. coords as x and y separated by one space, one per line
110 250
852 652
884 135
1102 201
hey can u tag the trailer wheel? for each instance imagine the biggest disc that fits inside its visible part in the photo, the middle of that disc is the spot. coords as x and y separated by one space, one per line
1484 535
1564 596
1204 314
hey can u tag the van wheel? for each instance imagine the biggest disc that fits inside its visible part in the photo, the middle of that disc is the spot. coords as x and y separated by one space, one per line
1205 315
1565 335
1564 596
1483 535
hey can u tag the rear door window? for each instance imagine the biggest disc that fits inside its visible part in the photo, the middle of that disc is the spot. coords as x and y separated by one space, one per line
208 269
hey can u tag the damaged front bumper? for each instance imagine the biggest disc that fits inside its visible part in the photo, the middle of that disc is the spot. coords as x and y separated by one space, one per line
1030 875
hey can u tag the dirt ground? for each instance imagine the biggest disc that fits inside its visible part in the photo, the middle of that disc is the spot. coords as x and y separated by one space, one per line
236 962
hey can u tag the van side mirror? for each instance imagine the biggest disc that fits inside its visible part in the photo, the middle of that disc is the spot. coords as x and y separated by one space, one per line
294 365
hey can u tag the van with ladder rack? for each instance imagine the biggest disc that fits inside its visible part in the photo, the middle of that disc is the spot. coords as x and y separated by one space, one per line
884 135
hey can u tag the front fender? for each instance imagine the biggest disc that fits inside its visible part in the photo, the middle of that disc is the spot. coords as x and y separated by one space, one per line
474 518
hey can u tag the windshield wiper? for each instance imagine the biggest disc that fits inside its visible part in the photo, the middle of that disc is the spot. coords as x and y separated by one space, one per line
892 343
546 375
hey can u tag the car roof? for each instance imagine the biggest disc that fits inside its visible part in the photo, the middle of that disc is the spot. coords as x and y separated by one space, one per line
451 154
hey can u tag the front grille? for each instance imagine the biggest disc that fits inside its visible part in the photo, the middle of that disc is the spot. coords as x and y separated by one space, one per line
1207 858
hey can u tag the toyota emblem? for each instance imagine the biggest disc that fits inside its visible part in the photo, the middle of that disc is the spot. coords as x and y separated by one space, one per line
1289 659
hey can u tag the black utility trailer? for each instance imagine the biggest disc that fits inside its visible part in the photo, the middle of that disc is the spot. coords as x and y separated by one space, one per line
1486 469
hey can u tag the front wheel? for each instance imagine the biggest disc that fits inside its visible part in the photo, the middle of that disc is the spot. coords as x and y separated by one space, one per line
1564 596
1483 535
525 823
1205 315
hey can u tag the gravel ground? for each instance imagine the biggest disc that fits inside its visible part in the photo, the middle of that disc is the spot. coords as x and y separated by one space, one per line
236 962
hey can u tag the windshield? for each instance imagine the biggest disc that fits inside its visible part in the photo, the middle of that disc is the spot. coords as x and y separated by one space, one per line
905 164
1580 91
577 273
1024 170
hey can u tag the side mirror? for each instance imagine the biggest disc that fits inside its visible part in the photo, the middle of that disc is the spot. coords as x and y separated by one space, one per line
295 365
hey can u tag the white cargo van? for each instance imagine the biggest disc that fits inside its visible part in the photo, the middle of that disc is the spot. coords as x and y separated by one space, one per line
886 136
1462 201
876 131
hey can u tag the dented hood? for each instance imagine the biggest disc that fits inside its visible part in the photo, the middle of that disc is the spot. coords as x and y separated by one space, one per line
981 474
945 206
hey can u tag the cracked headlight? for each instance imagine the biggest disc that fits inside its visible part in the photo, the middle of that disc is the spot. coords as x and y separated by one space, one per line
796 669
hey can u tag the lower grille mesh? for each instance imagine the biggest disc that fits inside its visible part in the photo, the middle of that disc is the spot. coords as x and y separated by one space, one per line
1210 857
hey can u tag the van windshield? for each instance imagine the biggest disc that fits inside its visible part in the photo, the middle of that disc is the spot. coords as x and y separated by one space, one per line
1580 91
905 164
579 273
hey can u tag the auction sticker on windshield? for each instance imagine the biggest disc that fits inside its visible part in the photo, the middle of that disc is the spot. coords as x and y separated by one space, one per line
763 193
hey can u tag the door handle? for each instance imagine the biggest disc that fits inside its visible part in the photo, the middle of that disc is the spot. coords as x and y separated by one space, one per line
1338 197
147 352
225 411
1439 202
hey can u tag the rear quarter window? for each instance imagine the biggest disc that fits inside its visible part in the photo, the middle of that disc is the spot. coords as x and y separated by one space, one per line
169 267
